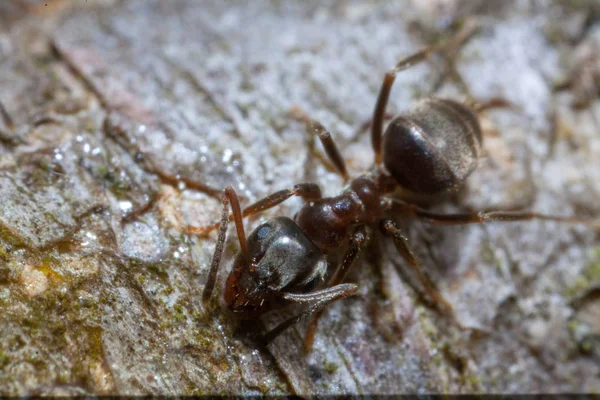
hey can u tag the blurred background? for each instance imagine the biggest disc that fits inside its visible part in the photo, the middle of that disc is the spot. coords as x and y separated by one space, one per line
122 121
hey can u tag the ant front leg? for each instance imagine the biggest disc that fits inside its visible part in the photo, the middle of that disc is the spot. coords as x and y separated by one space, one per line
389 229
308 191
319 299
359 238
229 198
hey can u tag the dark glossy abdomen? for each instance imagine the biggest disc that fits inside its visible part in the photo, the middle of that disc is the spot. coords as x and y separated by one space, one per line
434 147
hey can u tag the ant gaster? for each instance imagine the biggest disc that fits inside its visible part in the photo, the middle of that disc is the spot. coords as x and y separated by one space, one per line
431 149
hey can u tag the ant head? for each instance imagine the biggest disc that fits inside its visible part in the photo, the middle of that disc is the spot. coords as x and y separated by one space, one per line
281 258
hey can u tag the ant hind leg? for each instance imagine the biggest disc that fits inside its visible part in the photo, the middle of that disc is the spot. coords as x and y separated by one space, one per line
389 229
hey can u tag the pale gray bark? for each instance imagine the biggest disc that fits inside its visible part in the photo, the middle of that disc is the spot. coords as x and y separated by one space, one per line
100 287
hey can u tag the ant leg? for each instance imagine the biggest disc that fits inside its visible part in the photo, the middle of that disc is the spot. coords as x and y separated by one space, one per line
449 48
330 148
389 229
487 216
316 128
176 180
384 94
359 237
319 298
308 191
229 198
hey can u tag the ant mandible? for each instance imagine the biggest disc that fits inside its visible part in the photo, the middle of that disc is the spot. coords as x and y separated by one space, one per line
428 150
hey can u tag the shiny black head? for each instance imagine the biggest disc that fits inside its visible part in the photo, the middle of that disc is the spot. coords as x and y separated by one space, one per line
281 259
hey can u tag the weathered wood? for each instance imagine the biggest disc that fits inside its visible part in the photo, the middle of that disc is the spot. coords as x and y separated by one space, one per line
130 116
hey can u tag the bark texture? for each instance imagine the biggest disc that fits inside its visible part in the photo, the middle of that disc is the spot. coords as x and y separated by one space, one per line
124 119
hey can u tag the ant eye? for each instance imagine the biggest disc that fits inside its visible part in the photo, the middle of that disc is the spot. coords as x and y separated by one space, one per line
263 231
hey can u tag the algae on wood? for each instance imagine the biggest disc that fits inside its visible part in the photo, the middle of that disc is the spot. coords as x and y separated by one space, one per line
114 103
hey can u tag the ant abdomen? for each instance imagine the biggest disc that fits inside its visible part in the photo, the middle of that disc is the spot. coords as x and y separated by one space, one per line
433 147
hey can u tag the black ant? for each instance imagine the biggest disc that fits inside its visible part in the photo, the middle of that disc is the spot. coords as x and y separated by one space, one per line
429 150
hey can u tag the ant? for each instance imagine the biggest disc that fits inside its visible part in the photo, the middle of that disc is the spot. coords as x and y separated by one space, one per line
428 150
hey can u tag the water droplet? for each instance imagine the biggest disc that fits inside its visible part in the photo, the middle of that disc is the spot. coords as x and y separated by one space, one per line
227 155
125 205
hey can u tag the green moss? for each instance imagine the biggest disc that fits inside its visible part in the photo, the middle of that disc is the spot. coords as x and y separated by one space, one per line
164 325
329 367
576 288
586 345
473 380
4 252
180 314
573 325
9 237
33 324
437 358
589 277
281 387
159 270
4 359
120 187
427 328
117 184
95 347
203 341
166 291
592 271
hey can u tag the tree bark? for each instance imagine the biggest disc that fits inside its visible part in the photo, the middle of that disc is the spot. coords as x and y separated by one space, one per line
124 119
